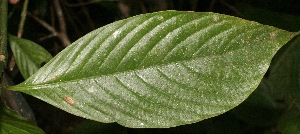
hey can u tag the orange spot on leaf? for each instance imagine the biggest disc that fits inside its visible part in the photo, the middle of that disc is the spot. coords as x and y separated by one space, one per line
69 100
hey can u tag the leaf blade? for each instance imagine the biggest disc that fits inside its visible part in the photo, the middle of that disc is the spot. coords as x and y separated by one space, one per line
144 76
29 55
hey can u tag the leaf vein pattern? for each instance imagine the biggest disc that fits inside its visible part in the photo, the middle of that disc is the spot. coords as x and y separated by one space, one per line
82 52
150 44
227 103
152 88
209 42
131 91
168 95
155 30
57 69
101 44
156 105
103 106
160 42
155 113
120 101
241 34
204 31
219 35
182 86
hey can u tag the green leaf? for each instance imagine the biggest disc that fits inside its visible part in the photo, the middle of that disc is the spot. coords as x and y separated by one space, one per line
29 55
159 70
284 77
12 123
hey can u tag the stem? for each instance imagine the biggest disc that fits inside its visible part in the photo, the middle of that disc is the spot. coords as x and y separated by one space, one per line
62 24
23 17
3 34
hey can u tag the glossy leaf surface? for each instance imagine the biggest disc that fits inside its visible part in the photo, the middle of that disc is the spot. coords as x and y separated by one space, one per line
159 70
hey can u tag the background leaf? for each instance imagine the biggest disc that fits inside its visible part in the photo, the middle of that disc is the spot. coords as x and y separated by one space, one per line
284 79
29 56
159 70
12 123
260 108
284 76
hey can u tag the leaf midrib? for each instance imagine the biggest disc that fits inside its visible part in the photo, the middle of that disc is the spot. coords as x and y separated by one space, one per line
23 86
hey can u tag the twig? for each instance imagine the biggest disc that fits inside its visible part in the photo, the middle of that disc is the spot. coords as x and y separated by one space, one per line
47 37
23 18
43 23
62 34
52 16
63 31
124 9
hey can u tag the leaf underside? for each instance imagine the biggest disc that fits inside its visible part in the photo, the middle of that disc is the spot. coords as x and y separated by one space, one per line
159 70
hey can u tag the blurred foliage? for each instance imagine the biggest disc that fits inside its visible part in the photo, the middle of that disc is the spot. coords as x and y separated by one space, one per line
13 123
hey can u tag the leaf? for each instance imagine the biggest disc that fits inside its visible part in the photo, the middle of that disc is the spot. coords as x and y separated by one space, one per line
285 75
12 123
28 55
259 109
159 70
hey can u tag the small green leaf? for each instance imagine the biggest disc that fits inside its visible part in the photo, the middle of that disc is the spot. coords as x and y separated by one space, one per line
159 70
29 55
12 123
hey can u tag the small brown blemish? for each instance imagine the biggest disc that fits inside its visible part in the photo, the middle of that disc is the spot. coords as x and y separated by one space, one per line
53 77
273 35
69 100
